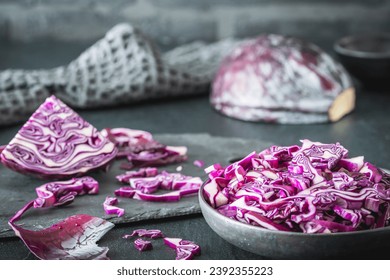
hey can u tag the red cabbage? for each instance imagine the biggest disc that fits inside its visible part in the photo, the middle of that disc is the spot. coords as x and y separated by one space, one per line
130 141
143 188
281 79
315 188
57 143
143 172
199 163
151 233
142 245
73 238
141 150
109 208
185 250
64 192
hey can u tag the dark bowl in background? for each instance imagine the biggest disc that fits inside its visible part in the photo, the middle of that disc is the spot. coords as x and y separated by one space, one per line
367 58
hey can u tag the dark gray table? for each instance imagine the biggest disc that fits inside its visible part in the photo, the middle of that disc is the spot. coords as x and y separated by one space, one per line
365 132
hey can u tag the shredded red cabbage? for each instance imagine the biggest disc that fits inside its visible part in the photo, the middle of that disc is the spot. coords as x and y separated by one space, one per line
315 188
57 143
110 208
185 250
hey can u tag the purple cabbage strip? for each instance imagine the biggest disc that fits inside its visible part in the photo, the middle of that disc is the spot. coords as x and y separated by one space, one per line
144 188
141 150
314 188
141 173
185 249
64 192
150 233
199 163
143 245
110 208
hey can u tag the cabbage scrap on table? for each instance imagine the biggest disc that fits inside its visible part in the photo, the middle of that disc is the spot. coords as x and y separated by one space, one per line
313 188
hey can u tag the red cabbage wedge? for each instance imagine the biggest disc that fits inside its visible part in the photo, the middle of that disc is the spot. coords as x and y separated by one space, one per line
313 188
57 143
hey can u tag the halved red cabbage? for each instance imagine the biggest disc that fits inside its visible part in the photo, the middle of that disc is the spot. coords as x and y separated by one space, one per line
110 208
185 249
141 150
143 188
315 188
151 233
143 245
274 78
57 143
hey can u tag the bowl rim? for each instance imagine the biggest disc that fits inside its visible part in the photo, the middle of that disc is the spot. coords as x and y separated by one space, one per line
283 233
337 46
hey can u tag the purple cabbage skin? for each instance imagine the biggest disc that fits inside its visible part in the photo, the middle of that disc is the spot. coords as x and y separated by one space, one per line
57 143
71 239
315 188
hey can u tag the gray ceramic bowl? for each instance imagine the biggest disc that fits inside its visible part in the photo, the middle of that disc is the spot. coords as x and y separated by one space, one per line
367 58
367 244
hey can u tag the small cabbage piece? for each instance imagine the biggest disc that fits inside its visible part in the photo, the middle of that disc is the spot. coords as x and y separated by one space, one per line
151 233
141 150
64 192
110 208
185 249
199 163
313 188
57 143
143 245
142 172
130 140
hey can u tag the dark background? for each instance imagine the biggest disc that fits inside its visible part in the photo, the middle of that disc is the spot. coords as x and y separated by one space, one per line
173 22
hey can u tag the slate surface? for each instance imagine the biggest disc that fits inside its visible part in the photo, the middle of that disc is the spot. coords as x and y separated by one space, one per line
17 189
